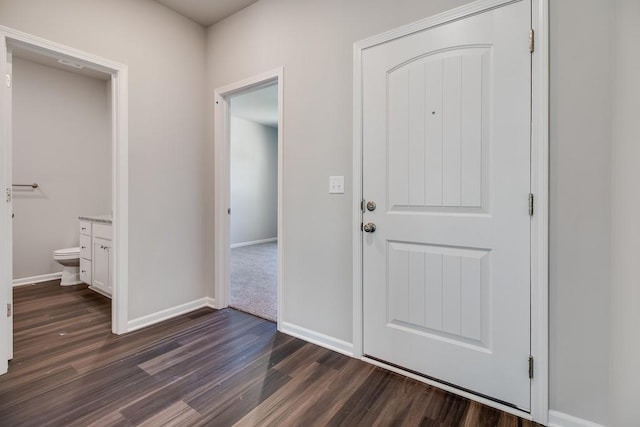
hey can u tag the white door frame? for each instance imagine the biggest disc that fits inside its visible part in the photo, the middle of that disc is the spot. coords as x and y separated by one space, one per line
119 178
539 187
222 246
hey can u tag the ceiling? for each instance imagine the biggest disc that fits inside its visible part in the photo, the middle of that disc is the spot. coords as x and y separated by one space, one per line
206 12
259 105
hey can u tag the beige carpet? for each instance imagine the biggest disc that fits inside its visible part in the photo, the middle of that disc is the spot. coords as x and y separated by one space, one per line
254 272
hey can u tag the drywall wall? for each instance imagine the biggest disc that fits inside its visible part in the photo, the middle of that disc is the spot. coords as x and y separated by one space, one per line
165 55
62 141
625 296
313 41
254 181
580 204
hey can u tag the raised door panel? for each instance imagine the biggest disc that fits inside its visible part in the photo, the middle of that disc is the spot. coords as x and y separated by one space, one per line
438 117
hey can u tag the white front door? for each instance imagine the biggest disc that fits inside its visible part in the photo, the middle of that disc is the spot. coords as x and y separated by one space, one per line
446 159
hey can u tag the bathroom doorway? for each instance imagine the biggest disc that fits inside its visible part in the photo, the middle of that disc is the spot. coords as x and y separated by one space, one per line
253 178
63 152
248 194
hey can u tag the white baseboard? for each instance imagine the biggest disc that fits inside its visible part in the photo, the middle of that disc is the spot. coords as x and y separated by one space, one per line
166 314
37 279
254 242
317 338
560 419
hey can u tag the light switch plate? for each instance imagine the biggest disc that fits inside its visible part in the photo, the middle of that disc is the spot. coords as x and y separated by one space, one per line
336 185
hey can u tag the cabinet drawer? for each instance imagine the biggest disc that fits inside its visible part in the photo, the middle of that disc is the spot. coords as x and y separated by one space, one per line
85 247
85 228
85 271
102 231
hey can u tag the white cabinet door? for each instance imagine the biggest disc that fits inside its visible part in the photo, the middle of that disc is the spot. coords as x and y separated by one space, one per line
446 158
101 277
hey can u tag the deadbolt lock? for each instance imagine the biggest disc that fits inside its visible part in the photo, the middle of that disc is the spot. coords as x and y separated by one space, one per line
371 206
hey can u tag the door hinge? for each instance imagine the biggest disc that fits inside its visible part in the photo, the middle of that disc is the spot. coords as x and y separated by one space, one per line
8 310
532 40
530 204
8 192
530 366
8 79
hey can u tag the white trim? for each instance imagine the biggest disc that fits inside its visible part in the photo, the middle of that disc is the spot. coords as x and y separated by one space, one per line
540 185
169 313
540 220
6 261
317 338
356 271
253 242
450 389
120 196
560 419
222 188
36 279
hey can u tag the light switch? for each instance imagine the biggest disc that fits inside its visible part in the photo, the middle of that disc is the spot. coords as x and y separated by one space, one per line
336 185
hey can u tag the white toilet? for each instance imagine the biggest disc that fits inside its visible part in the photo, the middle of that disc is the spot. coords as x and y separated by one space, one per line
70 260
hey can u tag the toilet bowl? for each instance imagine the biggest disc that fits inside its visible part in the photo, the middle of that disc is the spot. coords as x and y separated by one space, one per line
70 260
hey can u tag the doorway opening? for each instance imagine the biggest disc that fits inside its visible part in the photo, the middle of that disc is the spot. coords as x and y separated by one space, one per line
253 161
61 172
64 155
248 195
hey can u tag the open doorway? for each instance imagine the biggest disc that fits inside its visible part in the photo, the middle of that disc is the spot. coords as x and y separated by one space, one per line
248 195
61 170
75 148
253 161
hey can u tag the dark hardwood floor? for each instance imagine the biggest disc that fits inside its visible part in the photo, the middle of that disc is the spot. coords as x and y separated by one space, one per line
216 368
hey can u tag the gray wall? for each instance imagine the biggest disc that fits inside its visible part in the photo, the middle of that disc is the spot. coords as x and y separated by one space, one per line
165 54
625 295
254 181
580 206
62 141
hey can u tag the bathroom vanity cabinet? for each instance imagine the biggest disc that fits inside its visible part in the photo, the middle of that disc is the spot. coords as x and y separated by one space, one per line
96 259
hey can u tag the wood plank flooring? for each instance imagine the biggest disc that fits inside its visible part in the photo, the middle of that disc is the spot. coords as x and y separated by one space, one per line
209 367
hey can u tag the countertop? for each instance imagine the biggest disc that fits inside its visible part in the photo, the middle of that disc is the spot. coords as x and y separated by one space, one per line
104 219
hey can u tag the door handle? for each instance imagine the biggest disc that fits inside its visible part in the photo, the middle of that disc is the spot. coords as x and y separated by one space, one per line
369 227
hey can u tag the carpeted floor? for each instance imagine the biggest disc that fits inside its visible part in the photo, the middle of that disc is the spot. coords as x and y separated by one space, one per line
254 272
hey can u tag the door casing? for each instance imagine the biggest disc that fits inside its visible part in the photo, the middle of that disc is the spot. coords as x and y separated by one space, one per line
222 194
119 177
539 187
